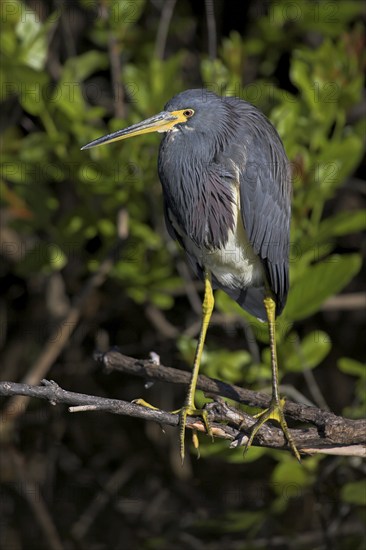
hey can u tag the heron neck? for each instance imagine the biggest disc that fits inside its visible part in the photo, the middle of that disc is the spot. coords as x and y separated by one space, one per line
199 197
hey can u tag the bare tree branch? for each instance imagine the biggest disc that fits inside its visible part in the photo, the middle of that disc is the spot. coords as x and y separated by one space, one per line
113 360
329 434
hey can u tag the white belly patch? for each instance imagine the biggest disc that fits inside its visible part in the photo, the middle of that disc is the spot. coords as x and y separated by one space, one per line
234 266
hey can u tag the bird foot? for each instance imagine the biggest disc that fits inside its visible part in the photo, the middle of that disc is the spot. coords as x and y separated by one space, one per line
186 410
274 412
190 410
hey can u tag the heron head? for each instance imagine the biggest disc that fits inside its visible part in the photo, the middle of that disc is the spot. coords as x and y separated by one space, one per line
196 109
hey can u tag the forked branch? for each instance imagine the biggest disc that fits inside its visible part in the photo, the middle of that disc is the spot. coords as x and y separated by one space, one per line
323 432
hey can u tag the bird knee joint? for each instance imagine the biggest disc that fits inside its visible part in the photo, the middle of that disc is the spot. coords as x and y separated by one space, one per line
270 306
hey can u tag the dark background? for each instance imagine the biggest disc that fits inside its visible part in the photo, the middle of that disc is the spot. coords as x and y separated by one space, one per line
99 481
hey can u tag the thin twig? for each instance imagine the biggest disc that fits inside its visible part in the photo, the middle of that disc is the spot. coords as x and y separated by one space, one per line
161 38
191 287
116 71
32 492
115 63
312 384
119 478
160 322
211 29
351 301
314 389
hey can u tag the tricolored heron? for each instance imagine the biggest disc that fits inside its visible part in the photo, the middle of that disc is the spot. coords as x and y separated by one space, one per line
227 193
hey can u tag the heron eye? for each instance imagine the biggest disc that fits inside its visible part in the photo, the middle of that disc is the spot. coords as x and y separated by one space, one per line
188 113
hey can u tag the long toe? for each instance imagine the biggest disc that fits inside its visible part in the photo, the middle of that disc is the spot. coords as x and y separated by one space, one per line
190 410
274 412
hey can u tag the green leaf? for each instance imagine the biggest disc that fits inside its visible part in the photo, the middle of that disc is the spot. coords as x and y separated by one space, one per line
352 367
300 76
44 257
28 84
69 93
78 69
253 454
341 224
232 522
289 478
354 492
144 232
303 255
255 328
34 38
106 227
226 365
319 282
239 521
309 353
161 300
336 161
124 13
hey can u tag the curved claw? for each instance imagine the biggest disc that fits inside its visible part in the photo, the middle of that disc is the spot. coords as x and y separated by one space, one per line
274 412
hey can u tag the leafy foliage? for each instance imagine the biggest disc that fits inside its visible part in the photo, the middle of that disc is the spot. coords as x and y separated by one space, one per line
75 73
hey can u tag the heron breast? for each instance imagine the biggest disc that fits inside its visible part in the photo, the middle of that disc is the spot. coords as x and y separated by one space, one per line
234 264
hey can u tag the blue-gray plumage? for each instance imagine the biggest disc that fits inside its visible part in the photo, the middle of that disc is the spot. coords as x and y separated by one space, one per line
227 189
227 192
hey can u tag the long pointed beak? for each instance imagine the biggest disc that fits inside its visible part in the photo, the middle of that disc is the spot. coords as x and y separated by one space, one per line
161 122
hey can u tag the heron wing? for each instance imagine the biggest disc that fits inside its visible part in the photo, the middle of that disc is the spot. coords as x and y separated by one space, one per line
169 225
265 200
177 235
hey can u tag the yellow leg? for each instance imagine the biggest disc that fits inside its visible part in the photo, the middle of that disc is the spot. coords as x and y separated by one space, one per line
275 410
189 408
